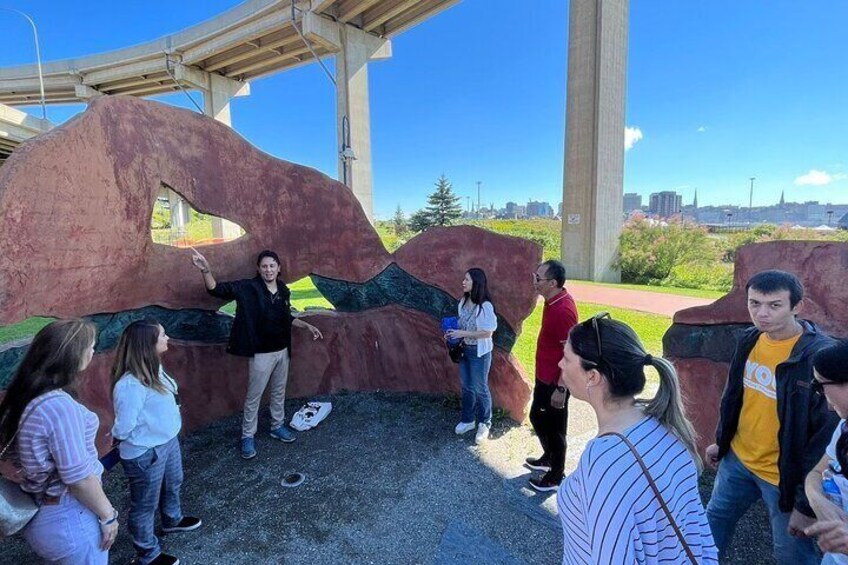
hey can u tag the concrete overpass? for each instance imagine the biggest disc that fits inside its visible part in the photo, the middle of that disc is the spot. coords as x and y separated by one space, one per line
220 56
16 127
259 37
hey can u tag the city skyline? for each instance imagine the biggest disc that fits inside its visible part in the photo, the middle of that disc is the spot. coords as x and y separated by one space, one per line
711 102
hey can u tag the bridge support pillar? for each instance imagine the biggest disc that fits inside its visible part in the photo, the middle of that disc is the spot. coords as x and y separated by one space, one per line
593 187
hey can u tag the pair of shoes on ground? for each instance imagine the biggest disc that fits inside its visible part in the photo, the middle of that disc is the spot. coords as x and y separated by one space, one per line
187 524
248 444
483 430
547 482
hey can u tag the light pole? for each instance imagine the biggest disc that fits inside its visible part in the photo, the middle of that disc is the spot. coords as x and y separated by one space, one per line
478 196
37 58
751 199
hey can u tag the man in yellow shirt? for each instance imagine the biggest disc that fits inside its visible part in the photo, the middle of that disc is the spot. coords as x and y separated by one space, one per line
772 428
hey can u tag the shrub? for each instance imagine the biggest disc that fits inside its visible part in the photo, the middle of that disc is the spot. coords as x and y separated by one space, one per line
650 250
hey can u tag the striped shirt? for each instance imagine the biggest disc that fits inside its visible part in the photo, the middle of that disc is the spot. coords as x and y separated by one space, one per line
55 445
610 514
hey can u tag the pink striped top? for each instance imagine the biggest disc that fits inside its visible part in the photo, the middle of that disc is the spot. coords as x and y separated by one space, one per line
55 445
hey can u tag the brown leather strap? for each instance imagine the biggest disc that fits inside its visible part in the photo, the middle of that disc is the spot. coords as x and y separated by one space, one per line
657 494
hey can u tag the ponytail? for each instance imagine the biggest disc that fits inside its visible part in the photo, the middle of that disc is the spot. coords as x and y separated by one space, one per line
667 406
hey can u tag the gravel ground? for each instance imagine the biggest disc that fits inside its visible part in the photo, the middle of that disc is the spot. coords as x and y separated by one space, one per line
387 481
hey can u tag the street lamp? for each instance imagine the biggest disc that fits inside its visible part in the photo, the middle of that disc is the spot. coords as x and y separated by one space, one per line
751 199
37 57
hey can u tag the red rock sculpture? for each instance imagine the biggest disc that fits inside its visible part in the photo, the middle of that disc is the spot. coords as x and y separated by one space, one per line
75 210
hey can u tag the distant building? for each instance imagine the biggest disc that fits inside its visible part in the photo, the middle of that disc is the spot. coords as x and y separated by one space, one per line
511 210
539 210
843 222
632 201
665 204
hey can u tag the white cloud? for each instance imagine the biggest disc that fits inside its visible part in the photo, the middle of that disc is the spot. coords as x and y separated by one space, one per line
631 136
818 178
701 129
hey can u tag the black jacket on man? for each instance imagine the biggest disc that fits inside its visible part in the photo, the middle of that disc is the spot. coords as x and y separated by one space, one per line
263 320
806 423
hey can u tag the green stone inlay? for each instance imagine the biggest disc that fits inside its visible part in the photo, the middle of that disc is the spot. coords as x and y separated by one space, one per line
396 286
195 325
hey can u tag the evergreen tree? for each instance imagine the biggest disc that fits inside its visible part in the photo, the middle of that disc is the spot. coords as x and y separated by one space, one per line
420 221
399 222
444 207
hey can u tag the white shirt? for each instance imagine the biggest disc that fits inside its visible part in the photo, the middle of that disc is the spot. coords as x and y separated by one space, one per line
484 319
840 481
144 417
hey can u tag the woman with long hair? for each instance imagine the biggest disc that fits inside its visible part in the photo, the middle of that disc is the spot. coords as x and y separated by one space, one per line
477 323
830 378
610 511
147 421
54 435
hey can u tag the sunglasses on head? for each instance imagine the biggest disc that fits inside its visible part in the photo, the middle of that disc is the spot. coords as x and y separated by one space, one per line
594 321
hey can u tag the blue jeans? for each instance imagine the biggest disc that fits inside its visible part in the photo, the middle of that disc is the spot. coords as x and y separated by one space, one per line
735 490
66 533
155 478
474 377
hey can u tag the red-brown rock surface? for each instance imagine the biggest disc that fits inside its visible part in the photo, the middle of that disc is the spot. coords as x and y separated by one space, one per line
441 256
76 203
821 266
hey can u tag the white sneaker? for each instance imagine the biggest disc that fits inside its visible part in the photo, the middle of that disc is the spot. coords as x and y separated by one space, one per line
482 434
463 427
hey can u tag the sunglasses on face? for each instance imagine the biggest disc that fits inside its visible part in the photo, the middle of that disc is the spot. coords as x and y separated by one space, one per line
818 386
538 279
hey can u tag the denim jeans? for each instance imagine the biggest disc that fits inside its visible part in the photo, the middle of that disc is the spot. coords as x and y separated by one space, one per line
735 490
66 533
474 378
155 478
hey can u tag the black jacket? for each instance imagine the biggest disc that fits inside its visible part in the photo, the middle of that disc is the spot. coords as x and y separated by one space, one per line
251 296
806 423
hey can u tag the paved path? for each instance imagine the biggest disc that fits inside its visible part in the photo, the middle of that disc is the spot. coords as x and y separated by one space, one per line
641 300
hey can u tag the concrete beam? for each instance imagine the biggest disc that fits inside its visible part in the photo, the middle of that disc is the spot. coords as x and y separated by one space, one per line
323 31
353 8
201 80
85 92
593 190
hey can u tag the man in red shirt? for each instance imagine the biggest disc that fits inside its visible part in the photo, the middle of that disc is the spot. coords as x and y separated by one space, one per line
550 423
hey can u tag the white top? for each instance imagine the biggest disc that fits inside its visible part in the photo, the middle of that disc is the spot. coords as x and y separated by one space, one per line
478 319
840 481
144 417
610 514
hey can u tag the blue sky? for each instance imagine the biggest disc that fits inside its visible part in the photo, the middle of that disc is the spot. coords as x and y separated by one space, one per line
719 91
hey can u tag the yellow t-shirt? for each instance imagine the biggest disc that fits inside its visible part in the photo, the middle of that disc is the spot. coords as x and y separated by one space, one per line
755 443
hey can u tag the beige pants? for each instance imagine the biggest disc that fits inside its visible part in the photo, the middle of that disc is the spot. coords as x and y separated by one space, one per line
272 366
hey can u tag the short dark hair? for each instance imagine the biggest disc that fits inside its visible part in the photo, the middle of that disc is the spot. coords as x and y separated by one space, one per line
267 253
555 271
832 362
769 282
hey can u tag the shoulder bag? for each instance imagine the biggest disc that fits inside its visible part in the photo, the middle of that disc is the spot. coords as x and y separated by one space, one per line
657 494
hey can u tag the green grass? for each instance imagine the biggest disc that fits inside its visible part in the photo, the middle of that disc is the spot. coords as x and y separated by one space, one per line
23 329
649 327
694 292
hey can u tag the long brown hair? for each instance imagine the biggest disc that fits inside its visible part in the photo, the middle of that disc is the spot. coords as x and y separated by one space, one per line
137 355
52 362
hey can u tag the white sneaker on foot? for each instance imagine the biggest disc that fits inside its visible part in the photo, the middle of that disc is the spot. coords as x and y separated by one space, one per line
463 427
482 434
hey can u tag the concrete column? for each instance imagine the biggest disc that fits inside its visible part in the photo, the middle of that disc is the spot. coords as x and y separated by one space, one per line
217 92
353 120
593 185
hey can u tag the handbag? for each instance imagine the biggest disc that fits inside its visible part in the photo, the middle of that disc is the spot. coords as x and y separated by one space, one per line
651 482
17 508
455 351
